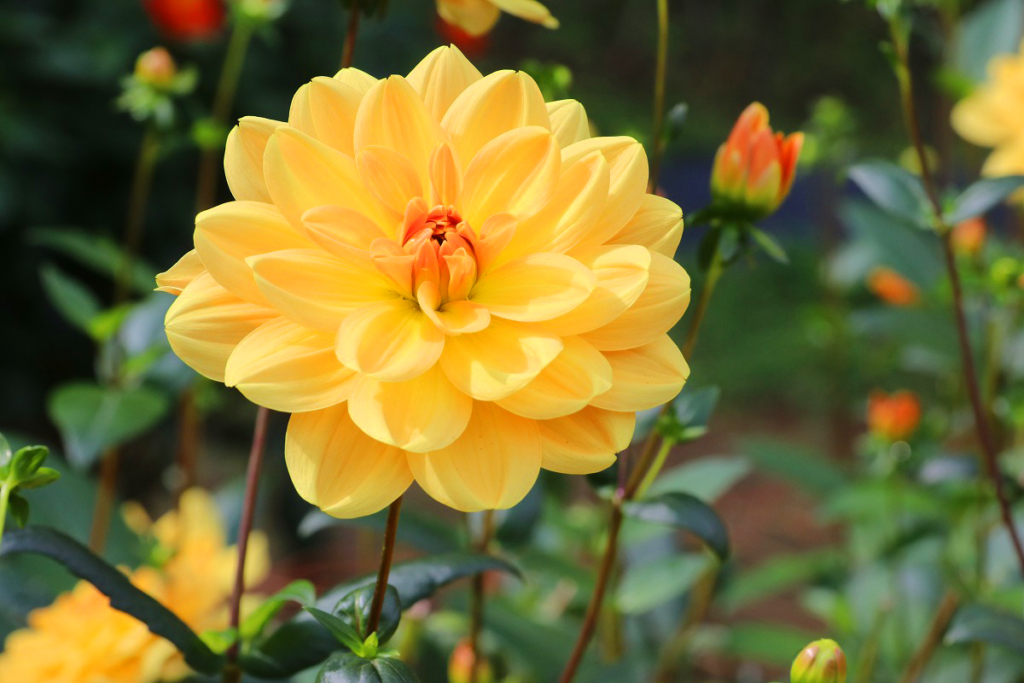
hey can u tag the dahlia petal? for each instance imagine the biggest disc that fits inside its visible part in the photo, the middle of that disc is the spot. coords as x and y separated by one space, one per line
389 178
243 158
228 234
1007 159
627 166
644 377
206 322
300 114
356 79
569 122
534 287
585 442
332 107
530 10
317 289
980 119
340 230
514 173
475 17
567 385
656 311
496 104
657 225
493 465
622 273
336 467
419 415
454 317
498 361
284 366
445 176
441 77
177 277
392 341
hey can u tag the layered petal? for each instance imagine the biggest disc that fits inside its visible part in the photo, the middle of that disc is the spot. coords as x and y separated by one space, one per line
569 122
441 77
284 366
644 377
493 465
627 167
206 322
338 468
530 10
422 414
621 274
340 230
657 225
585 442
177 277
243 158
577 375
392 341
389 178
333 105
534 287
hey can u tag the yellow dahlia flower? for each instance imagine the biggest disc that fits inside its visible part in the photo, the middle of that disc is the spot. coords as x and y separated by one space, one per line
80 638
993 115
443 278
477 17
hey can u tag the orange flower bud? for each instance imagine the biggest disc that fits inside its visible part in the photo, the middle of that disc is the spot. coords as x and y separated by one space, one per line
156 67
892 288
893 416
969 236
754 169
822 661
187 19
461 664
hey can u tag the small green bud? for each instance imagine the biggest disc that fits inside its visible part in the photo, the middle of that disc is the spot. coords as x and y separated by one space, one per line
822 661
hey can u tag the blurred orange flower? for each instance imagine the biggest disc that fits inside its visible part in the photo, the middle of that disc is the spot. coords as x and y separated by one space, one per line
443 278
156 67
893 416
187 19
477 17
754 169
892 288
969 236
460 665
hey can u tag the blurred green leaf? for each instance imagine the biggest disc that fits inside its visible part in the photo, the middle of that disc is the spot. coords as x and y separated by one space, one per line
808 469
5 451
981 624
691 412
92 418
649 585
98 252
19 508
73 301
991 28
706 478
770 643
27 461
685 512
349 668
300 591
778 574
982 196
893 189
423 531
769 245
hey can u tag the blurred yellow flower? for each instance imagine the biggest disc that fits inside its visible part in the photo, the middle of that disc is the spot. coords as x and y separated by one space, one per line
443 278
993 115
81 639
477 17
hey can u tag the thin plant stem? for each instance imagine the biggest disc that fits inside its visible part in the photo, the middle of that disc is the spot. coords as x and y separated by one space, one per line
661 69
349 50
5 497
936 630
477 599
105 494
668 662
188 442
981 423
386 557
252 481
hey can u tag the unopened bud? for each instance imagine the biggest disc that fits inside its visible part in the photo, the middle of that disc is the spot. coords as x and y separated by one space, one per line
156 67
822 661
460 666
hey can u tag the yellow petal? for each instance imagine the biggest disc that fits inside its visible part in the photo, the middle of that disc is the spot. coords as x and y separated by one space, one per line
445 176
655 312
177 277
302 173
422 414
454 317
336 467
657 225
206 322
393 115
441 77
983 118
317 289
496 104
1005 160
228 234
534 287
389 178
498 361
622 272
565 386
569 122
300 114
627 165
356 79
493 465
585 442
332 107
530 10
644 377
243 158
392 341
339 230
515 173
475 17
284 366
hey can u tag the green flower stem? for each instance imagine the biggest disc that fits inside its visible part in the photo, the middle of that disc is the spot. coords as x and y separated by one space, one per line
5 496
476 610
138 200
936 630
659 462
386 556
657 144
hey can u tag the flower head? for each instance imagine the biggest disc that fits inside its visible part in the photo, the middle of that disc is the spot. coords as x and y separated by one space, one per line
895 416
822 661
969 236
892 288
80 638
187 19
443 278
156 67
478 17
754 169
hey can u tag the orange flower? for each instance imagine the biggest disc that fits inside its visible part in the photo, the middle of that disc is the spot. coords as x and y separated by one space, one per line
969 236
156 67
187 19
755 167
892 288
893 416
460 665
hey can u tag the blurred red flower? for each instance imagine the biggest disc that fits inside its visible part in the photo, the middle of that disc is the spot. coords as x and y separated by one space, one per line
187 19
893 416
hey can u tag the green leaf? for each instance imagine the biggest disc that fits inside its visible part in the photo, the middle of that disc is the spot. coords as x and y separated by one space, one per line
73 301
5 451
116 586
893 189
27 461
19 509
708 246
982 196
769 245
342 631
779 574
770 643
98 252
981 624
92 418
808 469
686 512
425 532
691 412
651 584
989 29
354 608
219 641
349 668
44 476
706 478
300 591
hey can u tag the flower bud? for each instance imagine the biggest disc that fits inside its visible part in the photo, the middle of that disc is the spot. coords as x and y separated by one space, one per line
892 288
969 236
155 67
822 661
895 416
754 169
461 664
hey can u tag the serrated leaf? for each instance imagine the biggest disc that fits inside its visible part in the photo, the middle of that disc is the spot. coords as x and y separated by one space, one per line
893 189
982 196
115 585
73 301
684 511
300 591
981 624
